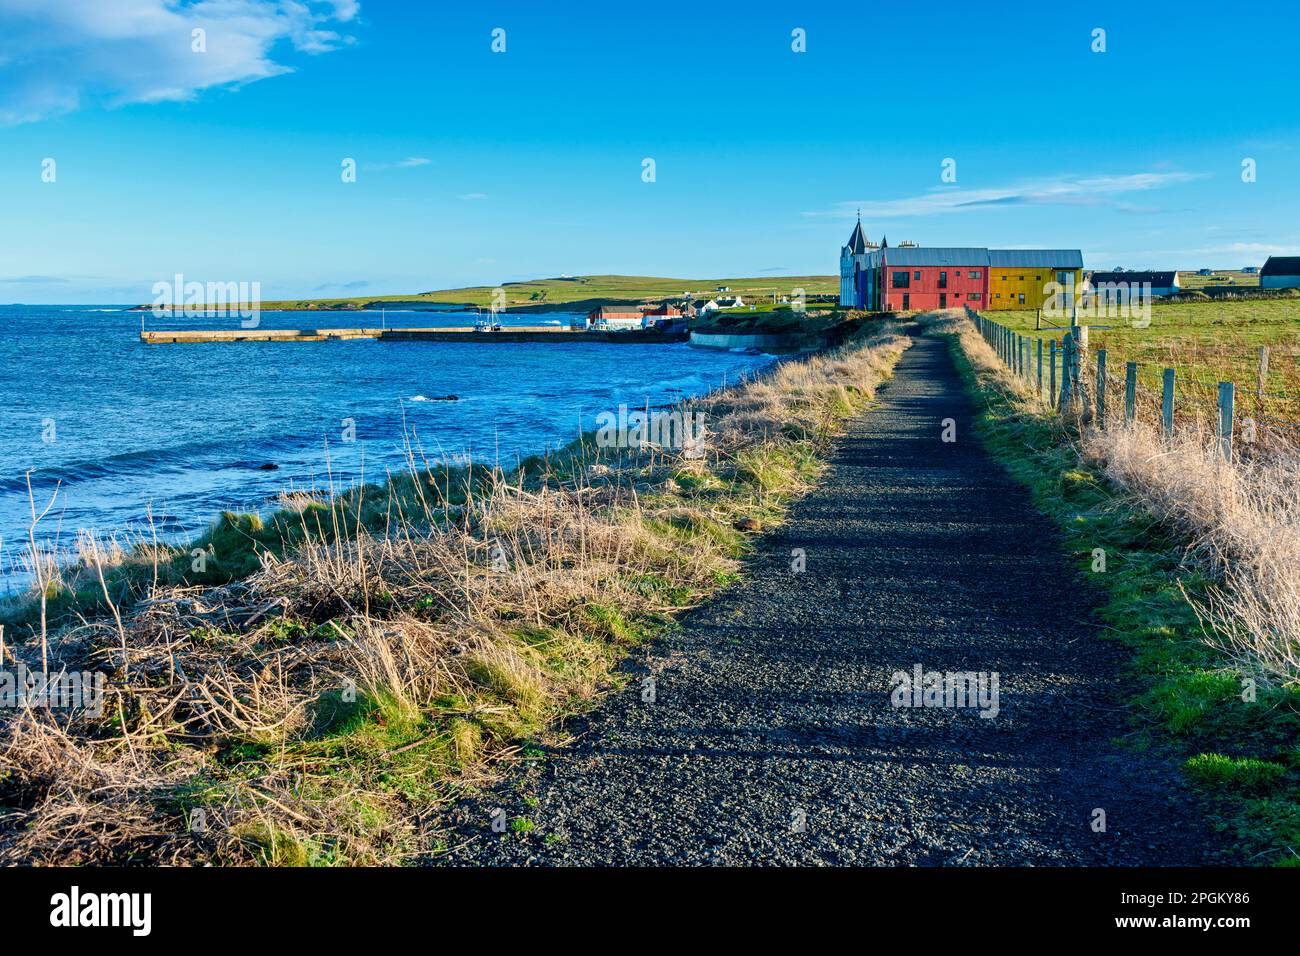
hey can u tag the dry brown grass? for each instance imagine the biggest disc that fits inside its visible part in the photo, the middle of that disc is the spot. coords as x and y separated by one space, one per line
1241 519
322 709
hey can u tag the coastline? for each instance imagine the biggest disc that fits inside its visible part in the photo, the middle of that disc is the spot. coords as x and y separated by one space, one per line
550 575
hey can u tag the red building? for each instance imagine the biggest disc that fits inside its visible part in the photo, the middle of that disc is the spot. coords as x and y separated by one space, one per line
664 311
912 278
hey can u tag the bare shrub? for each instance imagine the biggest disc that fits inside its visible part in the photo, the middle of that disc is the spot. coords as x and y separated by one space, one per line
322 708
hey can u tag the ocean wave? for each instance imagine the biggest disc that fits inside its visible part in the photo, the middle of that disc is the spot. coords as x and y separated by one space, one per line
179 459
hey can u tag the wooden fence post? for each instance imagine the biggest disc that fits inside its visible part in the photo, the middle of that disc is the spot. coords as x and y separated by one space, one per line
1130 392
1101 388
1263 374
1040 367
1226 397
1067 370
1078 368
1051 398
1167 404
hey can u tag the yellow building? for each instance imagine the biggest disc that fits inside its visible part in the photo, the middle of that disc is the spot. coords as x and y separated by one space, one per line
1029 278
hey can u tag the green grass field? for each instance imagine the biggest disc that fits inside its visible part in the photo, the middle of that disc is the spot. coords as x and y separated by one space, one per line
1227 277
1206 342
580 293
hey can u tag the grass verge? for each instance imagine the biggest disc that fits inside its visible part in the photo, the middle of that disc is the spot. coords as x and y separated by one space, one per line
320 709
1234 725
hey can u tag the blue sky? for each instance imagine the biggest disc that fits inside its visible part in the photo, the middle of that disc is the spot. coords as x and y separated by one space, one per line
477 167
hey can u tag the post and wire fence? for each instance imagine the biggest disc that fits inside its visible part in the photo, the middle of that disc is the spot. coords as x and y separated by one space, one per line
1071 379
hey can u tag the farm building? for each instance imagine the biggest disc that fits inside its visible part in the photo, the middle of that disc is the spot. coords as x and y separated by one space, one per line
1123 286
1280 272
911 277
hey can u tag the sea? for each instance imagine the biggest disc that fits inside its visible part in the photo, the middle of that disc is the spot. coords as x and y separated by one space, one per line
105 434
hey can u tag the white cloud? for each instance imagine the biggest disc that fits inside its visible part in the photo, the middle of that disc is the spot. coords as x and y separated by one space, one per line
59 55
1256 249
411 162
1095 190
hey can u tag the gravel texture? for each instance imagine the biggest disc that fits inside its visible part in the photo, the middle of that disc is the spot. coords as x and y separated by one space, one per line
772 702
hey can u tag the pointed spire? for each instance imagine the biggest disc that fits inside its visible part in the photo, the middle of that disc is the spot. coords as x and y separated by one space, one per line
858 241
884 242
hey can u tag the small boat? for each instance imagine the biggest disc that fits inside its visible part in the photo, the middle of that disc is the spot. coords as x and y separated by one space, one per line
486 325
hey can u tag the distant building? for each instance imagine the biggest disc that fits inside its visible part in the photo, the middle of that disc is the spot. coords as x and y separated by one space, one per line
1205 272
661 317
1280 272
730 302
911 277
853 259
1124 286
1250 270
609 317
615 317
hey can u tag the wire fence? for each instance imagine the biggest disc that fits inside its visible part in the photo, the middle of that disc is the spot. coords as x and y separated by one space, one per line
1106 388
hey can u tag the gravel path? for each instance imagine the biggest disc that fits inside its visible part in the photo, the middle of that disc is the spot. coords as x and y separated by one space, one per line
772 739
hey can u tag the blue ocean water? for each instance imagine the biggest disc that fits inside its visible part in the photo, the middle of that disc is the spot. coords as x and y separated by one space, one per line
122 429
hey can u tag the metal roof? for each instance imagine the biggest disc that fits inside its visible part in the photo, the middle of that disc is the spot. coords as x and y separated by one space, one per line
1281 266
920 256
1159 280
858 240
1036 258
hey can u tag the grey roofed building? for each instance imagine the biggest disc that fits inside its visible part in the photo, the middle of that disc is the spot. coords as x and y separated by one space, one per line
1280 268
1162 283
1155 278
938 256
1035 259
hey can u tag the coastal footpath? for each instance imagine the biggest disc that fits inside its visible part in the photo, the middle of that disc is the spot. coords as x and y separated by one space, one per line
772 734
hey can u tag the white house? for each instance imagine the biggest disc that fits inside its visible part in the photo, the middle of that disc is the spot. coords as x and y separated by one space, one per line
1280 272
